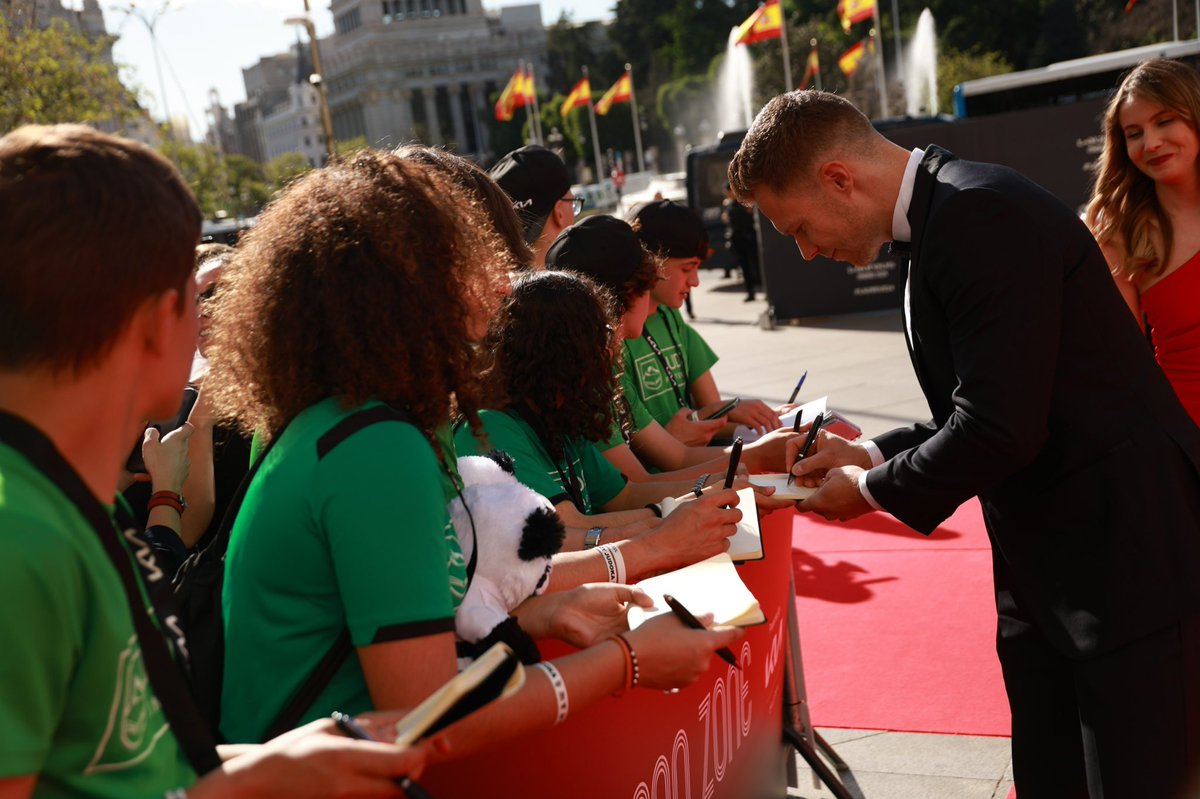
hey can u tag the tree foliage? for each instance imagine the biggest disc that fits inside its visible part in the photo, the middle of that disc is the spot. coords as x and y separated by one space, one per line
57 74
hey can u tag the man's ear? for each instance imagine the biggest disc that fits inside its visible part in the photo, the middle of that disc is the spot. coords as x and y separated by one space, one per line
157 317
836 176
563 216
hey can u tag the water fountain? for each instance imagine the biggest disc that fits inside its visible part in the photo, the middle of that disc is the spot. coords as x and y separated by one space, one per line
920 84
735 87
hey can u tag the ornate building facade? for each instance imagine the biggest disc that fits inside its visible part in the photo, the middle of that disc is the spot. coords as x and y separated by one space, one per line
403 70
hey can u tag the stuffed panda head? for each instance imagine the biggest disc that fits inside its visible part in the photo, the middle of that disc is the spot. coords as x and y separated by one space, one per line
516 531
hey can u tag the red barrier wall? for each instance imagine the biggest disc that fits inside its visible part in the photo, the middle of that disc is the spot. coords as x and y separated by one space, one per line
719 738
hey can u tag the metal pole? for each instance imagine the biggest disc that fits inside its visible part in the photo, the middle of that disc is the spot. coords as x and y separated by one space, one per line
172 143
1175 17
537 113
813 42
896 34
637 124
787 58
322 97
879 76
1198 19
595 136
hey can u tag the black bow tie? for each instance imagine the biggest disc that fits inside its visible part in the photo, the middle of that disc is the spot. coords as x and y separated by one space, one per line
900 247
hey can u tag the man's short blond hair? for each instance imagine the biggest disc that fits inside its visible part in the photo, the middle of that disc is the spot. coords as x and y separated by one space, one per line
793 133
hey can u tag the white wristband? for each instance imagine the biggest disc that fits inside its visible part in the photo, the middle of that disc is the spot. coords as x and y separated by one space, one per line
615 561
560 690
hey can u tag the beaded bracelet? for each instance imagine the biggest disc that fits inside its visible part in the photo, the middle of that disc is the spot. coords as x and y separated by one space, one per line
698 488
634 676
560 690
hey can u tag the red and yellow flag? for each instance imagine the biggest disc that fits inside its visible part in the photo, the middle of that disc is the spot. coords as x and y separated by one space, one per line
619 92
526 95
579 97
765 23
811 68
507 104
852 11
849 60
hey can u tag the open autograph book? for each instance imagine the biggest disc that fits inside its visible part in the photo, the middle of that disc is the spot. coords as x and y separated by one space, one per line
494 674
710 586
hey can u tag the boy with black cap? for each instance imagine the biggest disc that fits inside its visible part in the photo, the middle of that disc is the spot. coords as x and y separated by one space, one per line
540 187
608 251
669 368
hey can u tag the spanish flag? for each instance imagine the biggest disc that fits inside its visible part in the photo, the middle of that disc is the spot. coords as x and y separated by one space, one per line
812 67
619 92
852 11
850 59
508 102
579 97
765 23
528 91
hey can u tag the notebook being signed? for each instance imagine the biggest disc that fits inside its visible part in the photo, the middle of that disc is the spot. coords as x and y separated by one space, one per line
494 674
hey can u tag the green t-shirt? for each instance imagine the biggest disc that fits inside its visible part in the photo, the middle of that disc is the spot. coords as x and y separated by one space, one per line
76 707
687 354
360 537
640 417
597 479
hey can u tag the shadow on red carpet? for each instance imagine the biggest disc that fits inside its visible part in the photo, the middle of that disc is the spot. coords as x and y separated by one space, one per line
897 628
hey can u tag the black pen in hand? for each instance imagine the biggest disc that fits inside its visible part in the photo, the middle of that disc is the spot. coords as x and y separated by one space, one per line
352 729
735 455
685 616
808 442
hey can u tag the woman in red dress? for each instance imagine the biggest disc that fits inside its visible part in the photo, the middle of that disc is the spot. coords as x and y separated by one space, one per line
1145 212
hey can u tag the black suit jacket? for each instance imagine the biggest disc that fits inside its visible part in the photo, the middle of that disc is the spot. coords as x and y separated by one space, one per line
1048 405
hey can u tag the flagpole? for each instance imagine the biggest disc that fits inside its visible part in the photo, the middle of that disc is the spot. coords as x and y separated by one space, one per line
881 79
821 86
896 33
595 135
637 125
528 108
537 113
787 59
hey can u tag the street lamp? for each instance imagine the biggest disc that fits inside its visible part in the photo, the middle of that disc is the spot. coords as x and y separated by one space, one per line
316 78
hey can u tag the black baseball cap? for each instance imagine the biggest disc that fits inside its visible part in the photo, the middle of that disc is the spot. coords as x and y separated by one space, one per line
534 177
670 230
602 247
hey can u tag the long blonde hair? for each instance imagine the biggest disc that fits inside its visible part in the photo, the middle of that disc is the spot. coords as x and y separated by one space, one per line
1124 207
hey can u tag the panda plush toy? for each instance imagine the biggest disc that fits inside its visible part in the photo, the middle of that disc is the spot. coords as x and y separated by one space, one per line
517 532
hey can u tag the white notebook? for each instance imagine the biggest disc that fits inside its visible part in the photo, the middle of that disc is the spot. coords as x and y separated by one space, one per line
778 481
710 586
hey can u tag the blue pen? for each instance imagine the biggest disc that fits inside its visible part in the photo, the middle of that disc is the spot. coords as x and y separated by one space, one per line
796 390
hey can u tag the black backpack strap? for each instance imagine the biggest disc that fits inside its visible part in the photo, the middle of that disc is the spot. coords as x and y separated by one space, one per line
321 676
183 717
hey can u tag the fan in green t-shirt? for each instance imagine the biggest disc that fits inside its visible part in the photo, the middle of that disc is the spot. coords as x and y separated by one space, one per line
669 366
608 251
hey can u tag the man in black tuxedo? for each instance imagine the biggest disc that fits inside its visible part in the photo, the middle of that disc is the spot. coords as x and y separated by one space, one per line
1047 404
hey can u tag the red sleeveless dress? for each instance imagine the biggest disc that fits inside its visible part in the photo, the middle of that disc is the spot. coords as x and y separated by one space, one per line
1173 307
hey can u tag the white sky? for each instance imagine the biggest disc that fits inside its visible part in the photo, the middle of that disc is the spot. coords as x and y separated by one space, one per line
206 43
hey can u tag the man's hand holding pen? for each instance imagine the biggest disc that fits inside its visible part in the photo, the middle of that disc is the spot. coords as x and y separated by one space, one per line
833 466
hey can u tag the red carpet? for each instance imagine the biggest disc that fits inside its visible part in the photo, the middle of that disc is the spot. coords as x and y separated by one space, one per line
898 629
